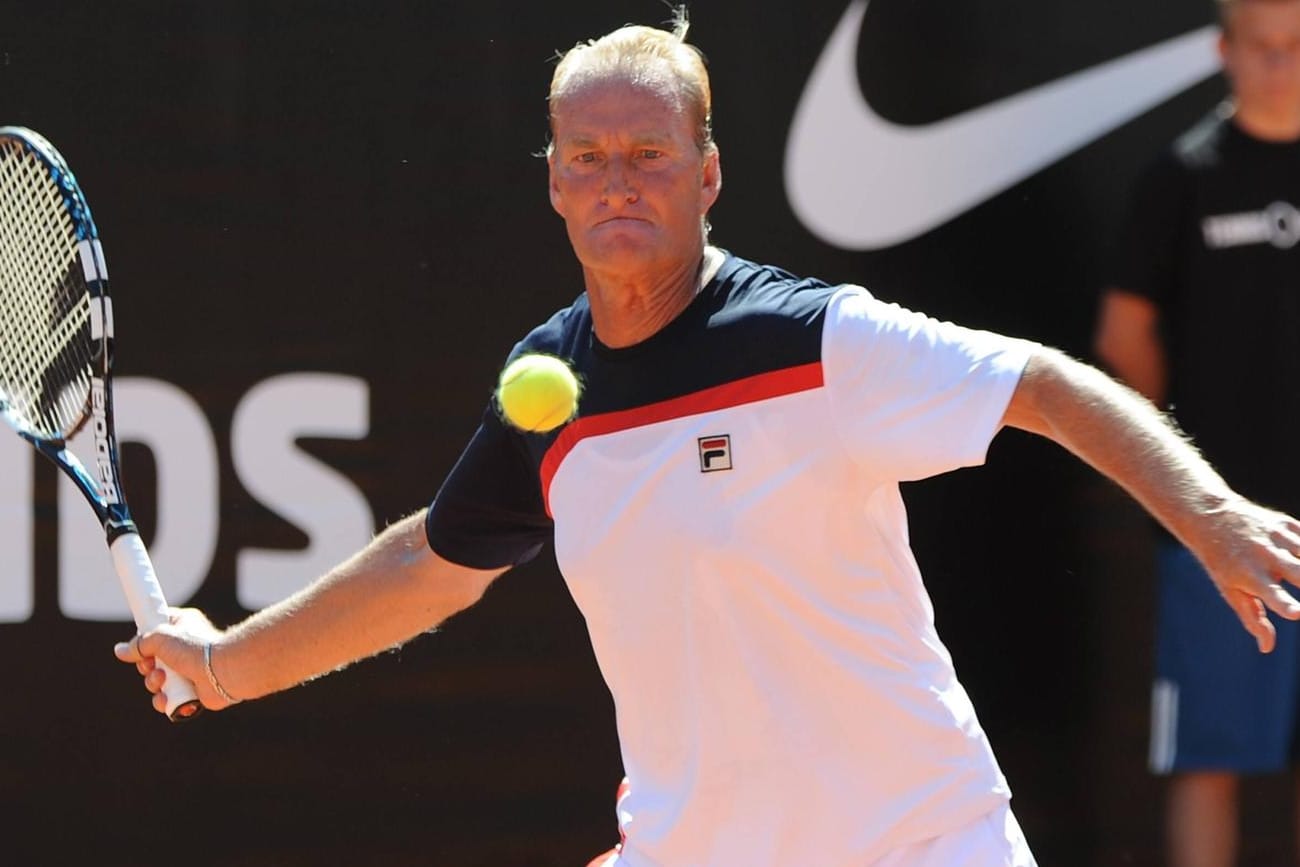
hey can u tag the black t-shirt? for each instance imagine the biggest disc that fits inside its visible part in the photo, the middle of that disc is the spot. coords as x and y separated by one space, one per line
1212 240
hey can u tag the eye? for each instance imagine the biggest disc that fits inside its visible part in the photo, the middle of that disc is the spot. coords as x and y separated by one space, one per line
585 157
650 154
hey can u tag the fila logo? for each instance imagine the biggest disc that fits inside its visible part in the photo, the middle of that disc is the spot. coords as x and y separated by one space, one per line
715 453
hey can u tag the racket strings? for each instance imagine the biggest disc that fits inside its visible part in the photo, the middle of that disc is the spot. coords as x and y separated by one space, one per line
46 351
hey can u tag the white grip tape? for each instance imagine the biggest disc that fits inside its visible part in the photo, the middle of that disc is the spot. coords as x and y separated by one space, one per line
148 607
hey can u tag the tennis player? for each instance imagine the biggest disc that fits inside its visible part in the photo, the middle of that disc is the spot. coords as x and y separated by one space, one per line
725 509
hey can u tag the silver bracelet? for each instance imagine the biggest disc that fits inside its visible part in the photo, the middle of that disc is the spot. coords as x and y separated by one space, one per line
212 676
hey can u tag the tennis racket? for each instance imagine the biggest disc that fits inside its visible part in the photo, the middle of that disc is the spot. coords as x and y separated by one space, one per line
56 355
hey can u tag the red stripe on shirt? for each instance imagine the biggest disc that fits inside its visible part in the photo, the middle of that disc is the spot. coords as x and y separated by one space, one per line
751 389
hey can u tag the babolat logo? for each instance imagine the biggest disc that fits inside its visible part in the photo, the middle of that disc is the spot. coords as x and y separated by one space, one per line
715 453
103 451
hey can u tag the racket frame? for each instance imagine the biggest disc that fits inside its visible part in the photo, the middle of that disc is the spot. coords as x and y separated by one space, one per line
102 488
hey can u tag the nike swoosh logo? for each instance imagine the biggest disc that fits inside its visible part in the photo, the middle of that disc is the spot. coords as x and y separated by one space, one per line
860 182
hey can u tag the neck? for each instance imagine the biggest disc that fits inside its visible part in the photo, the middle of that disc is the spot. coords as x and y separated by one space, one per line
629 308
1268 124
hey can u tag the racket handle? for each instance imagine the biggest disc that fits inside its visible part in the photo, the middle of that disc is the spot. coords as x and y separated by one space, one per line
149 608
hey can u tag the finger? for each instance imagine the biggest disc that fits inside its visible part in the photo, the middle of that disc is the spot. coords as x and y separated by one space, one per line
1280 602
148 644
1287 536
137 649
1250 611
1286 562
145 665
128 651
1286 544
154 680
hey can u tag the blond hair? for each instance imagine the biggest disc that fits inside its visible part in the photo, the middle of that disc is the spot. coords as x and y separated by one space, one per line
644 56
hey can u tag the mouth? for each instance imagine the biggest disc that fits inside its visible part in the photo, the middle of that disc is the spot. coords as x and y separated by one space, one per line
620 220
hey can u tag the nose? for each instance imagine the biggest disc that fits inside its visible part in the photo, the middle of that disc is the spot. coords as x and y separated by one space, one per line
620 182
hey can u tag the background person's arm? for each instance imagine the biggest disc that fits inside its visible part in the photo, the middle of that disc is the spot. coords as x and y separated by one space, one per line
1128 341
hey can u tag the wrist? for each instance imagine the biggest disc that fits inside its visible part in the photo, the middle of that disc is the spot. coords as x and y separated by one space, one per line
213 680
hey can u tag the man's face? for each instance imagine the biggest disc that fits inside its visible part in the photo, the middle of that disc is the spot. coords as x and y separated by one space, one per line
1261 54
628 178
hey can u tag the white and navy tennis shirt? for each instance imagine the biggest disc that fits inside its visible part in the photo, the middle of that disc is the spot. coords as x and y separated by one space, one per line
726 513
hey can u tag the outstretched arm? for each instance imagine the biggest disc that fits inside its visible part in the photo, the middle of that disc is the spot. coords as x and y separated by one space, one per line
392 590
1247 549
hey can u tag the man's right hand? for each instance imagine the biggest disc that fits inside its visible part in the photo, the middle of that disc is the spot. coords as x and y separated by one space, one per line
179 643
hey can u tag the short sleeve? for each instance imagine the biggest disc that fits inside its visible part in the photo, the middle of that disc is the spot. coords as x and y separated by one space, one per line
489 513
1148 250
912 396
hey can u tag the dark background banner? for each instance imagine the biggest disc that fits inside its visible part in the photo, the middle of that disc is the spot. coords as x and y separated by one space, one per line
294 189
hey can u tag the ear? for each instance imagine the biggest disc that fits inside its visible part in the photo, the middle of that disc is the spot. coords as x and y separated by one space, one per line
1223 51
557 201
710 180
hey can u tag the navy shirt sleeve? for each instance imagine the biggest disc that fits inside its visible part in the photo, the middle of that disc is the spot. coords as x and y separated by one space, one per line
489 512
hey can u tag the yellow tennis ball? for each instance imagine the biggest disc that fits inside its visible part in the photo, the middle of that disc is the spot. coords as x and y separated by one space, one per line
538 393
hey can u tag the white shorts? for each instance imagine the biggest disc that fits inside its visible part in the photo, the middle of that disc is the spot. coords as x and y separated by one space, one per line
993 840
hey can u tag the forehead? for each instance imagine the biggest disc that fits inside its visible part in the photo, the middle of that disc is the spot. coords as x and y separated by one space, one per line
617 105
1262 18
